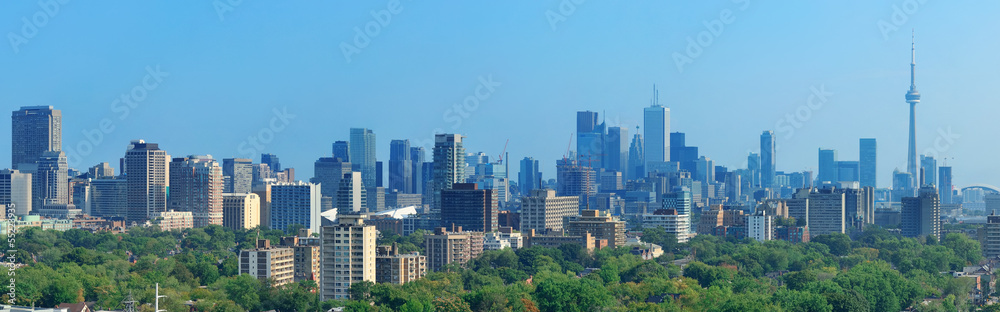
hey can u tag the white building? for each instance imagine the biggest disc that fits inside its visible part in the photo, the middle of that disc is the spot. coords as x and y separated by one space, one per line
671 222
347 256
505 238
760 226
543 210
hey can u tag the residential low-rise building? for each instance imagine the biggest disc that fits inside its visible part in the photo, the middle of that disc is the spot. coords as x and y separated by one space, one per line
269 262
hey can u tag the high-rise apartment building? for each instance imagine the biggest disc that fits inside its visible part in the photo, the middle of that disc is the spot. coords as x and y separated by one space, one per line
196 185
920 215
240 210
468 206
348 256
238 175
543 211
50 181
598 224
417 159
295 203
266 262
395 268
449 165
147 180
352 197
452 247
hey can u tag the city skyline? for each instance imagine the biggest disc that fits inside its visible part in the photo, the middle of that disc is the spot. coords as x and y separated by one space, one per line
872 83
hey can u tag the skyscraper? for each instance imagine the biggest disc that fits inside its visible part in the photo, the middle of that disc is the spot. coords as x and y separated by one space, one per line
827 166
656 121
272 161
238 175
196 186
294 203
400 166
928 169
529 178
50 180
342 150
912 97
34 130
920 216
753 170
616 150
449 165
589 138
867 162
363 154
352 197
767 159
636 157
469 207
15 188
346 261
848 171
327 172
147 180
944 185
417 158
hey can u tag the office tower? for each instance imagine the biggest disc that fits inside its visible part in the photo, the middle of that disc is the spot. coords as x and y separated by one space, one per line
295 203
470 207
760 226
733 187
348 256
446 247
685 156
50 181
449 165
266 262
417 158
848 171
656 132
767 159
944 185
327 172
362 149
147 179
600 225
616 150
920 215
530 176
636 160
928 169
196 186
867 162
378 174
827 166
400 166
912 98
342 150
15 188
589 139
101 171
260 174
240 211
825 212
272 162
902 185
543 211
352 196
991 246
680 200
395 268
573 179
34 130
677 144
704 170
108 197
238 174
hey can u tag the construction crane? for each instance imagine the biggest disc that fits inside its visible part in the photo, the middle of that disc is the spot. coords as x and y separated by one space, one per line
504 151
569 146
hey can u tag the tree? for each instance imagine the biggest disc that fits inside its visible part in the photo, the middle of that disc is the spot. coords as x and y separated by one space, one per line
244 291
839 243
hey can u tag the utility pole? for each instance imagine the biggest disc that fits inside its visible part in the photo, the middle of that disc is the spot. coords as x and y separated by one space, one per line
156 304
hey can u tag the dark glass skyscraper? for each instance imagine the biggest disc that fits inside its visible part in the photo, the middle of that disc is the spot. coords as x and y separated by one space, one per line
362 151
944 185
529 178
616 150
589 139
827 166
400 166
272 161
34 130
928 171
867 162
767 159
342 150
417 158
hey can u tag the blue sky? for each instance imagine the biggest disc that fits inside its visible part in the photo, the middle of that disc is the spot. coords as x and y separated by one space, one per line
225 68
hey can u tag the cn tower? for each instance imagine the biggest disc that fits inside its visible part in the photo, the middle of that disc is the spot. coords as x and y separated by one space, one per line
912 97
